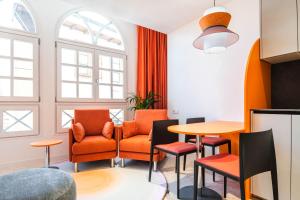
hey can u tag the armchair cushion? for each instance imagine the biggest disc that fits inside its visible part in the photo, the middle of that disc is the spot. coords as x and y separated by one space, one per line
78 131
129 129
137 143
108 130
93 144
144 119
92 120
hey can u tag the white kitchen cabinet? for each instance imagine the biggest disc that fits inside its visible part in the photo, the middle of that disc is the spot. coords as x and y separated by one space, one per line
295 174
282 128
279 30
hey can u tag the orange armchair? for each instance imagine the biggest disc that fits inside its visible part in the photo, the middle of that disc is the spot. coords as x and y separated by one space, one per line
137 147
94 145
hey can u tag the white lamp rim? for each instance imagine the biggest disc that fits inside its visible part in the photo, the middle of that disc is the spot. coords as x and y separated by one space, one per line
199 42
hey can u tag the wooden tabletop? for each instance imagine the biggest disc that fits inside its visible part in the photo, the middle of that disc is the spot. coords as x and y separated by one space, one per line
207 128
45 143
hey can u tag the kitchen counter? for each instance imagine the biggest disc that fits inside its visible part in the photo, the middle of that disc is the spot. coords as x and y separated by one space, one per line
277 111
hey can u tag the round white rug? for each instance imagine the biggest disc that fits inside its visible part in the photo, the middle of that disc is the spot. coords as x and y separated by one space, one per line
95 181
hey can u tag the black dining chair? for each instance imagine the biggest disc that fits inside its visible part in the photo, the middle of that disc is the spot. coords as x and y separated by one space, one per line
257 155
165 141
212 142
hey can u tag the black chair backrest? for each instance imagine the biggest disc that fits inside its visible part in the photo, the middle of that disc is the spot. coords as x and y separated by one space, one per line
192 121
160 133
257 153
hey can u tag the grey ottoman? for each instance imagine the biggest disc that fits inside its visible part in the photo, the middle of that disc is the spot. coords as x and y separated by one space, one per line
37 184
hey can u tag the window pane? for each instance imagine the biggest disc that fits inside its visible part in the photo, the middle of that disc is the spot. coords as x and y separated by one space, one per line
68 73
104 92
5 47
4 67
118 64
4 87
85 74
23 49
68 56
104 76
68 90
17 120
85 91
23 69
74 28
23 88
66 118
104 62
92 28
85 59
14 14
117 115
118 78
117 92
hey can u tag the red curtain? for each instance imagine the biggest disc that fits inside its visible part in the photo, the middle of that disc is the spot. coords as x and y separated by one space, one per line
152 65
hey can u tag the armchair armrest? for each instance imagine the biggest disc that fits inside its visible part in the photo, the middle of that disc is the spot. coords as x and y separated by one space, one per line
71 141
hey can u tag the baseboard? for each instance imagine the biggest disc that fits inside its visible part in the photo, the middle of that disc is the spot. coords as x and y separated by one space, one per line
253 196
33 163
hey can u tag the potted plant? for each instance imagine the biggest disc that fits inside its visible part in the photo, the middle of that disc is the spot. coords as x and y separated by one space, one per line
140 103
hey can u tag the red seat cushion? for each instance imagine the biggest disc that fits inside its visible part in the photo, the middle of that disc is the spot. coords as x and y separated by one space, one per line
137 144
212 141
226 163
94 144
177 147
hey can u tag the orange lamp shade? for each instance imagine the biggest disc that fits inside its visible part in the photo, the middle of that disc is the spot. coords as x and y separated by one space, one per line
216 37
215 19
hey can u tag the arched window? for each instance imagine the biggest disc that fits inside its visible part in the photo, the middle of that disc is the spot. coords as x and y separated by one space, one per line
91 28
18 70
91 67
15 15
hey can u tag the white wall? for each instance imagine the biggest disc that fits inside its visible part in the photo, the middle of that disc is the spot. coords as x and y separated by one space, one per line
16 152
211 85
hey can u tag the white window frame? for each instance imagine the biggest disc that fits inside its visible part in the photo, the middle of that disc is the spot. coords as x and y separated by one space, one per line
71 106
35 128
125 90
35 60
59 46
96 52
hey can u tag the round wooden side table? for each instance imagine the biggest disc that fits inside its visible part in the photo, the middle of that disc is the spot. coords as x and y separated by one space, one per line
46 144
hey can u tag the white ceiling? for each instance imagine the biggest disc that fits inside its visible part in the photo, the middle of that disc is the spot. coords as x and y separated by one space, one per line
161 15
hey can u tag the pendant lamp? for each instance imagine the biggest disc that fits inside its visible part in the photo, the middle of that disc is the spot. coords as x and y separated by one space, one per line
216 37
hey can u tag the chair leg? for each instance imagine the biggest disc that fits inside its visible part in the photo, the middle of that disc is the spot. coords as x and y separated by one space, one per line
112 163
242 188
150 167
203 177
178 176
176 166
184 162
155 166
229 147
214 153
225 186
203 152
76 167
122 162
274 184
196 170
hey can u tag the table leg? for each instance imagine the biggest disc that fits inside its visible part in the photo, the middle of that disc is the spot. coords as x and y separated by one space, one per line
47 157
198 141
186 193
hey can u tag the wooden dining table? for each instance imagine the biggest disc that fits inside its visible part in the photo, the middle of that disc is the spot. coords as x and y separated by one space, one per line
199 130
